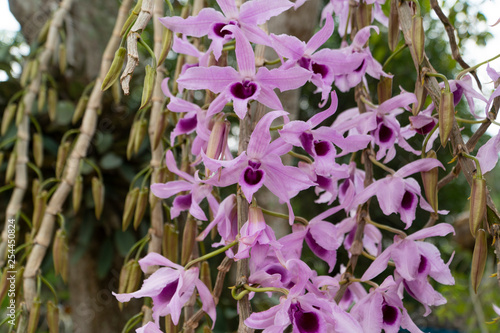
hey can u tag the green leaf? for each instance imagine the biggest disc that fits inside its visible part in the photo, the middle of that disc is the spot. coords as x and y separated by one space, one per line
105 259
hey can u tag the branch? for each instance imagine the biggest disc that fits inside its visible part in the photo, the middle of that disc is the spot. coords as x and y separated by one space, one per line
87 130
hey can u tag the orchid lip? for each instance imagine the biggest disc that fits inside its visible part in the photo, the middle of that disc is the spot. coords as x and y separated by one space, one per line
306 139
218 29
390 314
424 130
252 176
168 292
254 165
304 62
321 147
320 69
184 201
188 124
305 322
323 182
385 133
243 90
407 200
423 264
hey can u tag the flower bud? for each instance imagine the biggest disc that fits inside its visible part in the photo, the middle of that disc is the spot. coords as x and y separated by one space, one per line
124 276
2 155
80 109
34 315
7 117
115 69
477 204
20 112
206 329
134 278
23 80
34 70
62 155
128 210
166 45
205 275
142 129
11 167
98 196
446 116
38 149
170 242
34 188
218 140
77 193
188 239
60 254
149 84
384 89
479 259
63 62
4 284
131 139
393 35
52 103
160 128
140 209
44 32
39 206
430 180
418 37
363 15
421 94
42 97
52 317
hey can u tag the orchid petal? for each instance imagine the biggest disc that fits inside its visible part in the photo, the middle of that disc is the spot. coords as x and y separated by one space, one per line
424 164
155 259
399 101
207 300
406 258
362 37
287 79
321 116
378 265
321 36
172 167
196 26
287 46
488 153
260 11
228 7
441 229
261 136
171 188
244 53
213 78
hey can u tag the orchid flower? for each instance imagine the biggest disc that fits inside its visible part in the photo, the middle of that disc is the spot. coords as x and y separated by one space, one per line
488 154
261 165
396 193
197 191
170 287
494 75
150 327
247 19
244 85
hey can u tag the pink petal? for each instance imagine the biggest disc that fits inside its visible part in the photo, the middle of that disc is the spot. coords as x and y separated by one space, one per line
321 36
260 11
196 26
213 78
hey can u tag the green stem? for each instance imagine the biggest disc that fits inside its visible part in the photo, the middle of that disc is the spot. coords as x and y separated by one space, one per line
427 138
473 68
36 169
144 240
16 96
143 184
367 102
479 174
25 219
264 290
151 53
62 221
170 7
380 165
95 167
7 187
386 227
272 62
471 121
132 322
275 128
394 54
36 124
210 255
21 247
47 283
47 182
7 141
138 175
68 133
299 219
441 76
228 48
300 156
240 295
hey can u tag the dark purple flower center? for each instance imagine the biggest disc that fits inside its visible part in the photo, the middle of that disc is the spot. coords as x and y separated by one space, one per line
184 201
320 69
390 314
306 139
384 133
187 124
304 62
277 269
243 90
315 247
347 295
168 292
254 164
457 95
360 68
426 128
323 182
407 200
321 147
423 264
305 322
217 28
252 176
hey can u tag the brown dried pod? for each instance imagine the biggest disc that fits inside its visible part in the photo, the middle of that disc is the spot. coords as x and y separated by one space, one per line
34 188
446 116
188 239
8 115
44 32
38 149
479 259
140 208
418 37
52 103
52 317
393 35
170 242
129 208
80 109
384 89
430 180
124 276
62 156
77 193
363 15
98 196
23 80
11 167
477 203
34 315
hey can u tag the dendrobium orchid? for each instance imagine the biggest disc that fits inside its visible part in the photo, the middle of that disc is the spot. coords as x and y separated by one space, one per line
170 287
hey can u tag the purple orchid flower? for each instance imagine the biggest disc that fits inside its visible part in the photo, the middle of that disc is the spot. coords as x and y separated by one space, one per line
245 85
247 19
422 291
183 46
494 75
414 259
197 191
488 154
382 309
170 287
396 193
372 237
150 327
261 165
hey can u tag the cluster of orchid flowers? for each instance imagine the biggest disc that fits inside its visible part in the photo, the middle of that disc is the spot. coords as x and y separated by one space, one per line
309 301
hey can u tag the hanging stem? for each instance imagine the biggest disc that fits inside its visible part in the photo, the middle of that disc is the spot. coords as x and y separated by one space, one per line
299 219
210 255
